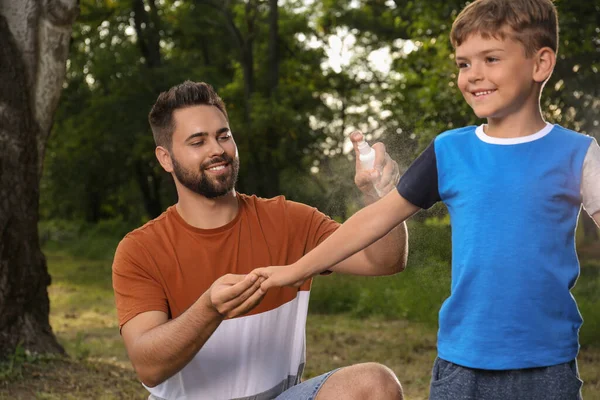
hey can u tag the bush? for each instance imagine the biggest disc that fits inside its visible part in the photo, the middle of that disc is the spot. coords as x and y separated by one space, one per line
84 240
587 294
415 294
418 293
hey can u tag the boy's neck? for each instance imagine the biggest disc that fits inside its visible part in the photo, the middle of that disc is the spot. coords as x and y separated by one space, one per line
525 123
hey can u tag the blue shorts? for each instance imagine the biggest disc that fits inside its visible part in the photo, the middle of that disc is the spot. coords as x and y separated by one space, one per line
558 382
306 390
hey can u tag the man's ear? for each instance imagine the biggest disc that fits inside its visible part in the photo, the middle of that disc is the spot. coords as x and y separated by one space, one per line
545 60
164 158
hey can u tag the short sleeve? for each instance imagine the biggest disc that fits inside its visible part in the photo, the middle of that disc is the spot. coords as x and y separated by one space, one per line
419 184
590 179
312 226
136 289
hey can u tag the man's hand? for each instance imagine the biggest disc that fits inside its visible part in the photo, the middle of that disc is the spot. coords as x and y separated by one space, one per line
278 276
233 295
382 178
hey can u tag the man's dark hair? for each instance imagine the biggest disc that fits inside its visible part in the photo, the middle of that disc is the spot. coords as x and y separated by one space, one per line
183 95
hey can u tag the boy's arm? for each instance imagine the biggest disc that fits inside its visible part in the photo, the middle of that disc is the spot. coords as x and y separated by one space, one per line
417 188
387 255
359 231
596 218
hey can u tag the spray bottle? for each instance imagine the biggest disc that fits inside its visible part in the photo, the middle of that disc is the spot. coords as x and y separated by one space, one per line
367 158
366 155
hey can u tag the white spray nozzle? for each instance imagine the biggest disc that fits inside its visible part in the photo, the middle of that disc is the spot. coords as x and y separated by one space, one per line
367 158
366 155
363 147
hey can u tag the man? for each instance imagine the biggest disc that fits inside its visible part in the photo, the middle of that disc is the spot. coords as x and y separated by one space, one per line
181 281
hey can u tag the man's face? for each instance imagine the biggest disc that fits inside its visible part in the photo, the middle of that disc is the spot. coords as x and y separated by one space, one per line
203 154
495 76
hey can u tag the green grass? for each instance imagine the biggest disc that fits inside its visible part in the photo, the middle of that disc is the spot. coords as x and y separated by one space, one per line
63 378
408 348
83 317
82 305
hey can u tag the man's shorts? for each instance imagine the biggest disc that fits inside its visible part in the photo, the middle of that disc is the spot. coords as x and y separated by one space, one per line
450 381
306 390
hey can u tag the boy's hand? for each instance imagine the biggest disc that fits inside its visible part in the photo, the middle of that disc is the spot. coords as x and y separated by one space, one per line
232 295
382 178
278 276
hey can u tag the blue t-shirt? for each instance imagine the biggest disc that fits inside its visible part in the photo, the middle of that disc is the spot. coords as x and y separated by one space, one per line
513 208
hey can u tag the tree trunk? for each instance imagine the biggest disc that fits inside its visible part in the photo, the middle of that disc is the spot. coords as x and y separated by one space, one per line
246 44
270 176
147 32
247 59
93 205
34 43
147 26
273 46
252 179
149 184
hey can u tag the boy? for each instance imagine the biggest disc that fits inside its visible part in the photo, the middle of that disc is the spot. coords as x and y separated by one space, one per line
514 188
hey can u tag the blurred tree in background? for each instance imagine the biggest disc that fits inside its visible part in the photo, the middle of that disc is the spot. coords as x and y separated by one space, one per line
297 77
101 163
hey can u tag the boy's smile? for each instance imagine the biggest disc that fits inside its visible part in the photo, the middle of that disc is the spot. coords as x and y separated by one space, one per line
495 76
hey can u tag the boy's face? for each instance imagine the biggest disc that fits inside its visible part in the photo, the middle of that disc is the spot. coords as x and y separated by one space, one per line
495 77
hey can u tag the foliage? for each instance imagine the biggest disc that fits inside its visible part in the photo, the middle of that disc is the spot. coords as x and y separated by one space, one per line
424 75
91 241
415 294
292 135
100 161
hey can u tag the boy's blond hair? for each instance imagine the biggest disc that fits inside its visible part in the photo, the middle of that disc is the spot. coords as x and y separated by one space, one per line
534 23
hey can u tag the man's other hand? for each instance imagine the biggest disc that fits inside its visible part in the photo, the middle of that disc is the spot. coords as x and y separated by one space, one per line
233 295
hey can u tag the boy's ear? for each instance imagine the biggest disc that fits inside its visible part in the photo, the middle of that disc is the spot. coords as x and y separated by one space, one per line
545 60
164 158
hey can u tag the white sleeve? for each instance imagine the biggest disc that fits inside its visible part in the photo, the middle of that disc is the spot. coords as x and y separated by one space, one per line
590 179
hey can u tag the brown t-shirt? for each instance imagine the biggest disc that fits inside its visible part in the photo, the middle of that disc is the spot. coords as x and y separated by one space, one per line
167 264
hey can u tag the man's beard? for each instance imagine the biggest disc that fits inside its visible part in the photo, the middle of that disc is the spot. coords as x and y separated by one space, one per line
204 185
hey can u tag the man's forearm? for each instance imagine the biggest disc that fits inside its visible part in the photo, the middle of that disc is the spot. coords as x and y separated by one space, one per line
164 350
344 250
391 251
